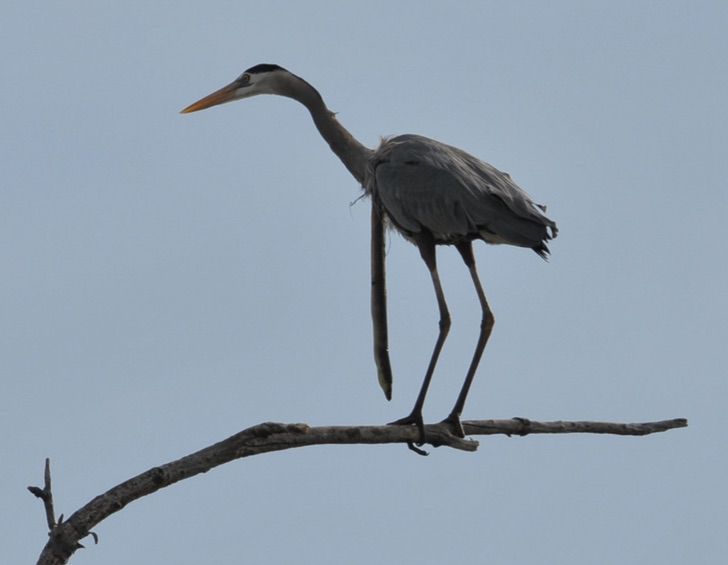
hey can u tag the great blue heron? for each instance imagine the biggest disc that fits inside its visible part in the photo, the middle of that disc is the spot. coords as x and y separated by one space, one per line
431 193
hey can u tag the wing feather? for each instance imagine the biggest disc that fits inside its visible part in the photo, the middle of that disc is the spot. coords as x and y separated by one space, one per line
425 184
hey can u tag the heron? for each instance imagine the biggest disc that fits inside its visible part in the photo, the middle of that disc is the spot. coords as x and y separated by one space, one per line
432 194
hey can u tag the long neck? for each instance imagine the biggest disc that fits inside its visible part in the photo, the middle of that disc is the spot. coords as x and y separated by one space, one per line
353 154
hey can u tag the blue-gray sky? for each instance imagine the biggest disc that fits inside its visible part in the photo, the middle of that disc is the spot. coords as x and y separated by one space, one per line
169 280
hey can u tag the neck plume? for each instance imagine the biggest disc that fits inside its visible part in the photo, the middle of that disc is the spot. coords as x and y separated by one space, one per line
353 154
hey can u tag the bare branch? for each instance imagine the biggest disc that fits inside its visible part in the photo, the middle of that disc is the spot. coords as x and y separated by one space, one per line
522 426
264 438
46 495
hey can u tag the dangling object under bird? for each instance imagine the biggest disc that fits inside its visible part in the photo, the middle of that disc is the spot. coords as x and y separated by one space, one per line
431 193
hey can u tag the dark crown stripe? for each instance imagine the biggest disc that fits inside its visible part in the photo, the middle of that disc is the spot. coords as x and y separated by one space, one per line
264 68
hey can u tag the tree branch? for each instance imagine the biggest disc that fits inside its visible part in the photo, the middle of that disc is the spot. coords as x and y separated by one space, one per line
65 536
46 495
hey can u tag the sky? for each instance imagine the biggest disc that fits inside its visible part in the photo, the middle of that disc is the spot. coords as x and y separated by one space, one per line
168 280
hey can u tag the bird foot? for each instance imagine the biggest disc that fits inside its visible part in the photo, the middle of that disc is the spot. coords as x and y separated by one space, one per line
456 426
414 419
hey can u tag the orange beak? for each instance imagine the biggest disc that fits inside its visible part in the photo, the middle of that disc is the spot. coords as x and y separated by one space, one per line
225 94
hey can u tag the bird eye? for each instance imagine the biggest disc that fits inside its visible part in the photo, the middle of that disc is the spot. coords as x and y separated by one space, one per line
245 78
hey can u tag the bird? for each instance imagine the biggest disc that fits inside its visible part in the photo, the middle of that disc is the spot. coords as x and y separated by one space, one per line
433 194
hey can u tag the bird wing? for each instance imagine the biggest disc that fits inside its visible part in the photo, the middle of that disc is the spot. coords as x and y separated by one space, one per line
425 184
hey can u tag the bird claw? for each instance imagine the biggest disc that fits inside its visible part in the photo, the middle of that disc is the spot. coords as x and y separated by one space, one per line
416 420
456 426
417 450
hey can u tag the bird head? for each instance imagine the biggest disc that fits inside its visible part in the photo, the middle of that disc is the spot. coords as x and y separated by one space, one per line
264 78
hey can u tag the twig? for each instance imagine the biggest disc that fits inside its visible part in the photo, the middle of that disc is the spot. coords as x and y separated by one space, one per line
46 495
268 437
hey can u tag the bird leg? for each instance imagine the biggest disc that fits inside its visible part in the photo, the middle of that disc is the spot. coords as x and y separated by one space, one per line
486 327
426 245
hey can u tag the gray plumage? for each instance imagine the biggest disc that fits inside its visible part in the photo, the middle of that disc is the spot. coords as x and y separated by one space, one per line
427 185
432 193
